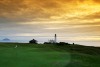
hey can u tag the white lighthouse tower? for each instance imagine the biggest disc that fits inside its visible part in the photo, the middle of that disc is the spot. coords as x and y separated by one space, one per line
55 38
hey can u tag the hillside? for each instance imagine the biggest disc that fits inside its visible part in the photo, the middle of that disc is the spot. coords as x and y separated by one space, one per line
32 55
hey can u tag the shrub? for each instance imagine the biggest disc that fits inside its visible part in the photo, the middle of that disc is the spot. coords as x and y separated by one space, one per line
62 43
33 41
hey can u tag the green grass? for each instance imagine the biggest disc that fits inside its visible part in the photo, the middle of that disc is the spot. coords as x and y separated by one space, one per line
32 55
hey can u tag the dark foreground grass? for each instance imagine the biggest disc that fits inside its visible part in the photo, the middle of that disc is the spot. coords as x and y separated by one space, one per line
32 55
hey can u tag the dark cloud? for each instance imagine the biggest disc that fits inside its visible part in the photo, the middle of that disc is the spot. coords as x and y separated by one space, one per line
96 1
94 16
28 10
25 10
10 7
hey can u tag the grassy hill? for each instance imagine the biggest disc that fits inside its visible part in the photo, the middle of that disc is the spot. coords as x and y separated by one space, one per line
32 55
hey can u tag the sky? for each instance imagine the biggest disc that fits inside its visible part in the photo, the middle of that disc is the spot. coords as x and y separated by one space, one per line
75 21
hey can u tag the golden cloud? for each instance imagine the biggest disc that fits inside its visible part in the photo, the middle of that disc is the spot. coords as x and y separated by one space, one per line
30 10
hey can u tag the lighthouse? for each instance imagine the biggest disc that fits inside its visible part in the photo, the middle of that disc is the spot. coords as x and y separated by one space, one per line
55 38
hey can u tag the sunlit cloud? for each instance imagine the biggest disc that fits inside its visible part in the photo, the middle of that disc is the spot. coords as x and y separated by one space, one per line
81 39
31 10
